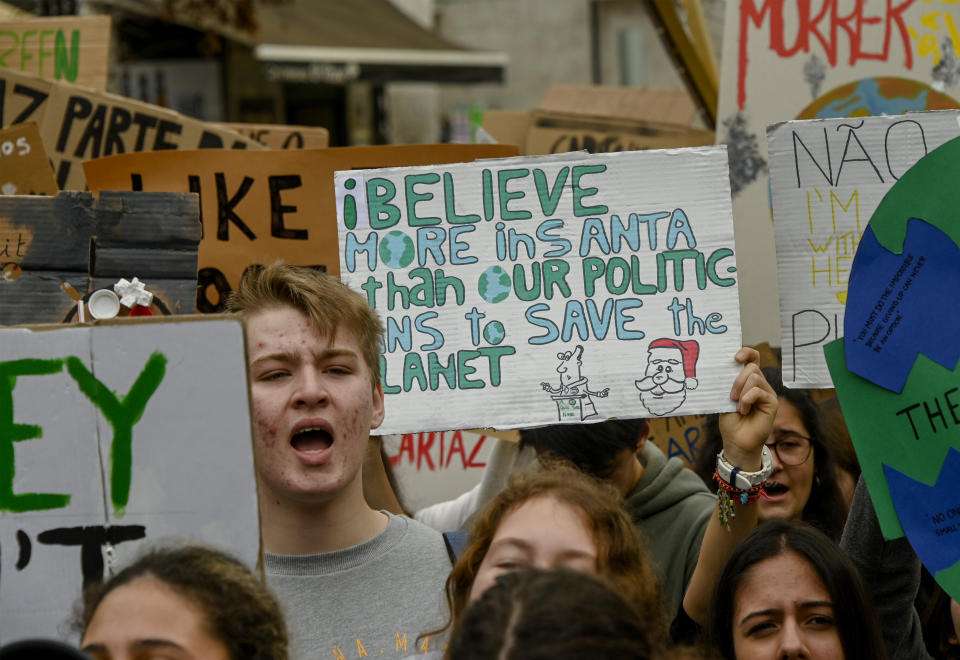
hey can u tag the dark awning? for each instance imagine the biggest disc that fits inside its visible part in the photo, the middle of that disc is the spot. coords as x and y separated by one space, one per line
337 41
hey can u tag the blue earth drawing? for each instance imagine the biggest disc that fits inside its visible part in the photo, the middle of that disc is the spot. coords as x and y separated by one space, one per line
494 332
494 284
877 96
396 249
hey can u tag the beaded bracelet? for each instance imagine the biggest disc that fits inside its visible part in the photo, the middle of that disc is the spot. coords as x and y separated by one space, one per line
725 509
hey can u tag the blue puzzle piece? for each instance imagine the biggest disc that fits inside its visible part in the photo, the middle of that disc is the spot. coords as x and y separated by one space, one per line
900 305
930 515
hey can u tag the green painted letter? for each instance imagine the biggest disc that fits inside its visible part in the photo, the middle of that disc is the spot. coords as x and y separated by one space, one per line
10 433
123 413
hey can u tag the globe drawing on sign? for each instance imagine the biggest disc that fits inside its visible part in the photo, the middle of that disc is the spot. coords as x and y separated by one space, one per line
900 334
396 249
494 332
877 96
494 284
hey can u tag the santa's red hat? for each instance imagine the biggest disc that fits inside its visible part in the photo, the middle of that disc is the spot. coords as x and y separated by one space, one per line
689 350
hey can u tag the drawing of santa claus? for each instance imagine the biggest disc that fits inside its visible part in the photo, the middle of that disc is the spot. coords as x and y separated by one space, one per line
671 371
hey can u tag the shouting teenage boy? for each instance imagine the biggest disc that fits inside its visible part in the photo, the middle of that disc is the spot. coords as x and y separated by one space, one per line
353 581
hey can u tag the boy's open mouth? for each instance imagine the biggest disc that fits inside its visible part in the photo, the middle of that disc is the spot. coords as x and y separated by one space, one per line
313 439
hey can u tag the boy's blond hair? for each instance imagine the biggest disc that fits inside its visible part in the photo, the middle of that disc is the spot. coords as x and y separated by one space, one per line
329 303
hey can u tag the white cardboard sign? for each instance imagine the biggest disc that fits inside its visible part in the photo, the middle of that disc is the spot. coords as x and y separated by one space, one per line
437 466
113 437
531 291
827 178
785 60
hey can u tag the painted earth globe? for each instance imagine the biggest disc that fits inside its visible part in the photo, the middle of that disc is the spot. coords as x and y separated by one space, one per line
494 284
396 249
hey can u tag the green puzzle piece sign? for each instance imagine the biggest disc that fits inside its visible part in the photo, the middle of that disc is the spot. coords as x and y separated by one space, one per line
928 190
895 429
896 369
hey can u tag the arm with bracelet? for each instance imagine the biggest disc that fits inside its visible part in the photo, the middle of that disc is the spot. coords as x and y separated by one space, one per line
743 465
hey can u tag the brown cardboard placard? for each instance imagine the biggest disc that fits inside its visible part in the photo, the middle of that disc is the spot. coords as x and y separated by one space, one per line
24 165
81 124
72 49
77 123
508 126
260 207
601 119
279 136
679 436
559 135
671 105
24 98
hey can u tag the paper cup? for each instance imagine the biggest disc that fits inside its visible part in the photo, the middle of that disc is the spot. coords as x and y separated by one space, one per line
103 304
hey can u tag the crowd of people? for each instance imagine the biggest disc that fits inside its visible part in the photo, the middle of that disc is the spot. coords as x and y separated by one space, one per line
599 547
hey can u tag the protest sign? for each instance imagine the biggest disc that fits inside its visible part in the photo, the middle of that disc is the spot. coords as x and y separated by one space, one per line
787 60
437 466
534 290
827 177
896 368
24 166
260 207
24 98
77 124
679 436
100 436
74 49
600 119
47 242
278 136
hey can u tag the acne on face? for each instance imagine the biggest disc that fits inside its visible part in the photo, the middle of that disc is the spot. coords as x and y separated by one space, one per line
302 379
268 431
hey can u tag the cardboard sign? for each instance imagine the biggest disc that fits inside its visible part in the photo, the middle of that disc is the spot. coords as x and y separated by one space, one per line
259 207
277 136
551 135
46 242
534 290
24 98
436 467
72 49
600 119
787 60
679 436
827 177
99 430
896 369
24 166
78 124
